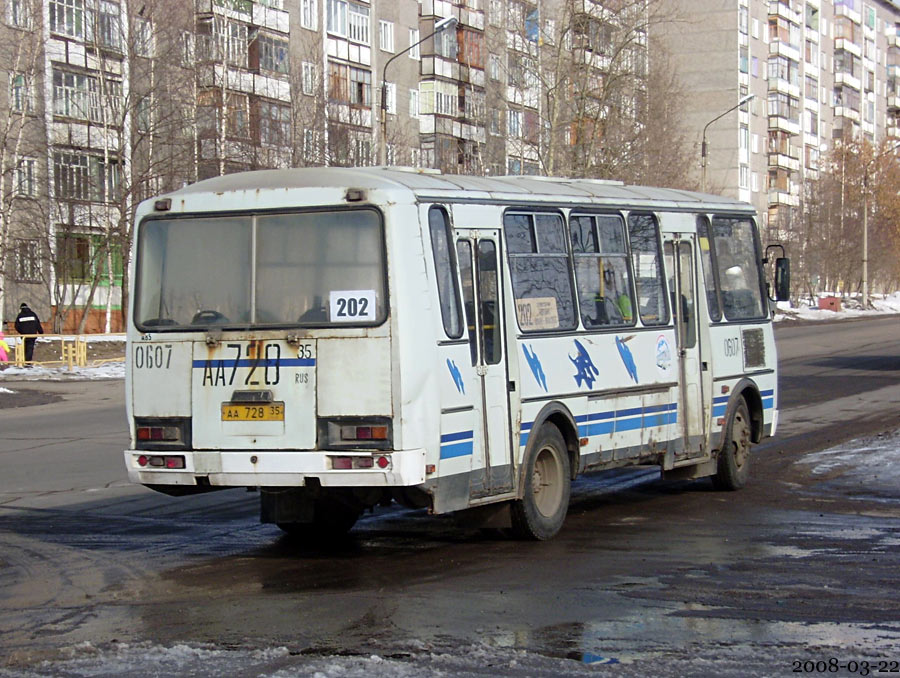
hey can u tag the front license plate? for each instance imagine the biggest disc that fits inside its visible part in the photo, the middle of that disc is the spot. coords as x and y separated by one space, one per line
252 412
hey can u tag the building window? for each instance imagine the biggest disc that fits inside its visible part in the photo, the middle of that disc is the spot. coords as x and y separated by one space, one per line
237 115
386 35
309 78
360 86
413 103
18 13
514 124
745 137
142 115
20 99
495 12
337 17
67 18
273 54
744 59
413 41
495 122
76 95
143 37
812 17
78 176
744 178
28 260
743 19
109 24
445 45
358 23
309 16
187 48
25 177
274 124
494 67
471 45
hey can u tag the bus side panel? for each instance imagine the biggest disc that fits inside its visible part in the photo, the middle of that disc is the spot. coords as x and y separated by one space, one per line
460 462
618 426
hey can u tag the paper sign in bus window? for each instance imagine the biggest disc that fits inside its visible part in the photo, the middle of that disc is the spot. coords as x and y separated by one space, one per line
352 306
538 313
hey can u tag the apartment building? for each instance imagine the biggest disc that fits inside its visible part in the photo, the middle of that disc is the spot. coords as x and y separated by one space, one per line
113 101
818 70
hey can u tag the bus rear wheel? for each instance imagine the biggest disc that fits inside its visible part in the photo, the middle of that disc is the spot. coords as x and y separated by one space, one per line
540 513
733 468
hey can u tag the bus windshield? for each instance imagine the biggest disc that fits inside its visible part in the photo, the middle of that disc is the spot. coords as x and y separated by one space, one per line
301 268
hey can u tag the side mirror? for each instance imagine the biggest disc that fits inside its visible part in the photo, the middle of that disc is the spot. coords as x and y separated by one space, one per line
782 279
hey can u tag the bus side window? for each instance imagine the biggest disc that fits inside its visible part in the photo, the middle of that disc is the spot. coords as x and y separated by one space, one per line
647 264
464 257
439 227
707 261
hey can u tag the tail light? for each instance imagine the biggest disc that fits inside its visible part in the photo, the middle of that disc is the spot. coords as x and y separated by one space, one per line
161 461
357 433
170 433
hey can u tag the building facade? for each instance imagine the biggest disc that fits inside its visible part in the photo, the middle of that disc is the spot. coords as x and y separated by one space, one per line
820 71
113 101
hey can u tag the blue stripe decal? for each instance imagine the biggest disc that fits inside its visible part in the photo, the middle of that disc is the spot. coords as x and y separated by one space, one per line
459 444
462 435
457 450
719 410
768 403
613 421
251 362
769 392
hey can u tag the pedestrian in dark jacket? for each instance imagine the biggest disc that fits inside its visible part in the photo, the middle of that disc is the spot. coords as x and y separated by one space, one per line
27 323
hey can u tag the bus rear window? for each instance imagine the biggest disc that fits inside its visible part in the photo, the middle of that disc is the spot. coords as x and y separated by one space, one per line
307 268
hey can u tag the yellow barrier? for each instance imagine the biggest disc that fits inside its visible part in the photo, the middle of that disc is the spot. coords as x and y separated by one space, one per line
72 351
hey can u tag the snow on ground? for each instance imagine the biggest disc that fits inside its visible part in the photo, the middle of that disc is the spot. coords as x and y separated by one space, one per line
114 370
850 308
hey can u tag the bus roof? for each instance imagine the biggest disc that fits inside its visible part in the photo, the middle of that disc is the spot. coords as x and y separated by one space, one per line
432 185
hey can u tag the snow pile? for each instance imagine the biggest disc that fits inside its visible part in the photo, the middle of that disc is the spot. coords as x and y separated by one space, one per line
867 466
113 370
850 308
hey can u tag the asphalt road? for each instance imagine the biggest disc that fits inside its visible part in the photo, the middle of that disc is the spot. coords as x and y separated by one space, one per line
664 578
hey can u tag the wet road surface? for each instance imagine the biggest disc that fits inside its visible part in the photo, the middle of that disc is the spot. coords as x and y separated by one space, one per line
664 578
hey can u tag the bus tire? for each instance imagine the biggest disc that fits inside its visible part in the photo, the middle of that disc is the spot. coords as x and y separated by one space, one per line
733 468
540 513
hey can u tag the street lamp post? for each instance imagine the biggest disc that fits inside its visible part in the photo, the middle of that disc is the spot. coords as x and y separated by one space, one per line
865 242
443 24
703 149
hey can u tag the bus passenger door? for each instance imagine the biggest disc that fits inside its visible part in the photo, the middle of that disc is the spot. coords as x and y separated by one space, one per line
680 261
478 253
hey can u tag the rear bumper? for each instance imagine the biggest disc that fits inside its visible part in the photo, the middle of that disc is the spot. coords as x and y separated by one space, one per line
276 468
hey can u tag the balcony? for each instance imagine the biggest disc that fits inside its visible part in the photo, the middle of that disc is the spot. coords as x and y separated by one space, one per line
848 46
846 112
782 85
842 78
777 122
893 130
893 40
781 197
784 10
785 49
853 15
784 161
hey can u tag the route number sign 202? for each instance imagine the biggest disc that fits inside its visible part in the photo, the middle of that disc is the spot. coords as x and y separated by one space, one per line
352 306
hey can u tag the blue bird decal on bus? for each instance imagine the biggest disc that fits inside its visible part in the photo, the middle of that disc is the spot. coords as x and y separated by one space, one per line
627 358
587 371
535 364
457 377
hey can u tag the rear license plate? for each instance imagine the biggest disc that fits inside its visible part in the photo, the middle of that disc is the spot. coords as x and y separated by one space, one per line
252 412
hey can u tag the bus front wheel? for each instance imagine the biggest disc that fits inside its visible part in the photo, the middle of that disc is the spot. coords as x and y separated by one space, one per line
733 468
540 513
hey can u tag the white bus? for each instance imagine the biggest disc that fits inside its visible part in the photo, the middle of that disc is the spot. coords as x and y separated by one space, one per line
340 338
